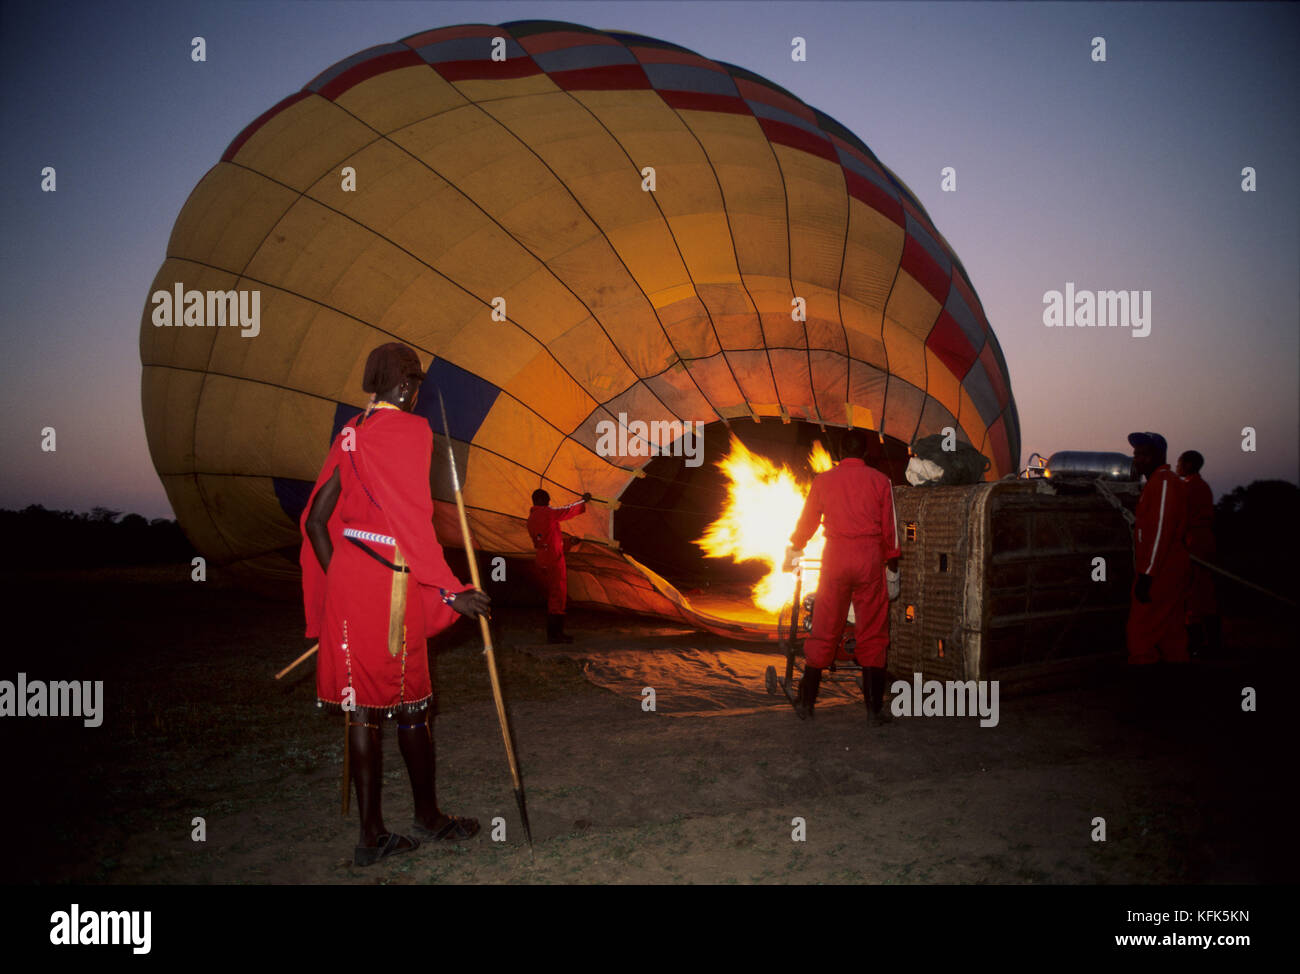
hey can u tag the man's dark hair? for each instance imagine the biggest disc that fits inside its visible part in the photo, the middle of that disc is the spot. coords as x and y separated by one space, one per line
541 498
1193 461
854 443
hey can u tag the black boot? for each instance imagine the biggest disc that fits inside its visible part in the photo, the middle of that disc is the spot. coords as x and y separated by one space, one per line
873 695
808 687
555 629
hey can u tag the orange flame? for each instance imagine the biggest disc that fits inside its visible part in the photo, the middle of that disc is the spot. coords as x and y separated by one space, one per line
764 502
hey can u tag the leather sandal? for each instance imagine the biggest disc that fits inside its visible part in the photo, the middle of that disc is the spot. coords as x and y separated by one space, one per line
457 828
389 845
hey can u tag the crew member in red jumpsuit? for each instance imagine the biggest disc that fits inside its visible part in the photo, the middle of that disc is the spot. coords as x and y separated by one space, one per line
544 529
1156 627
1202 607
857 503
368 537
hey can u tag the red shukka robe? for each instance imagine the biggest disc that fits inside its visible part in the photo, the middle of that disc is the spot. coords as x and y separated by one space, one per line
384 489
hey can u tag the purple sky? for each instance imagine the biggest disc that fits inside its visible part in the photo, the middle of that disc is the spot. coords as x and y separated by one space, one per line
1121 175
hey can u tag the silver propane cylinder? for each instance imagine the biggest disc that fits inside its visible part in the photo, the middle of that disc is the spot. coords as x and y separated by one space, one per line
1084 465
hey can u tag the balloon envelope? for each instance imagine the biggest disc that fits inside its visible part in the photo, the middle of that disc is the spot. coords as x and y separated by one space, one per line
573 228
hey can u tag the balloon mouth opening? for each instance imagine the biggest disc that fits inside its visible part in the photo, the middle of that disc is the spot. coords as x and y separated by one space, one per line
664 515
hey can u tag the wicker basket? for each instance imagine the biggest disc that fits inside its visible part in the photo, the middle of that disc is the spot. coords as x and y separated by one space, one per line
998 578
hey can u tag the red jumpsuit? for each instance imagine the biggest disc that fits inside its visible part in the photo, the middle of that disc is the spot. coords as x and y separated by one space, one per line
544 529
1201 602
861 535
1156 629
384 489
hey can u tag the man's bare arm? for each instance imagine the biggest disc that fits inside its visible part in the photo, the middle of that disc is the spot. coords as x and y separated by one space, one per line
322 508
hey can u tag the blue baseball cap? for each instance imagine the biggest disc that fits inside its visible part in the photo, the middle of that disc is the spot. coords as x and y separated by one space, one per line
1153 440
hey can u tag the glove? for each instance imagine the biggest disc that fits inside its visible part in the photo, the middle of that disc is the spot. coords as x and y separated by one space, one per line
1142 589
893 584
792 556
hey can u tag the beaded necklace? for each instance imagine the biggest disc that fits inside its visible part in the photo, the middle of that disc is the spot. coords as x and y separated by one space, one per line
377 403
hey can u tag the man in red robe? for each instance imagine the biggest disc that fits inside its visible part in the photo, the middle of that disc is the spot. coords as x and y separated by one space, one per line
1202 607
857 504
1156 629
375 588
544 529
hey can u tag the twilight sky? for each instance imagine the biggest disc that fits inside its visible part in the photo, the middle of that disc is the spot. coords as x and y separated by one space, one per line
1117 175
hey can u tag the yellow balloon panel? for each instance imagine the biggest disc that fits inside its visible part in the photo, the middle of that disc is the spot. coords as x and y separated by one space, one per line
705 242
774 301
490 90
942 385
863 331
268 355
547 389
650 253
496 350
680 389
325 257
867 388
497 483
170 397
299 144
818 217
227 217
574 468
716 379
542 305
586 352
734 317
911 306
183 346
401 97
690 329
824 327
754 375
192 510
338 375
794 385
513 430
261 526
871 255
830 379
234 430
601 281
906 353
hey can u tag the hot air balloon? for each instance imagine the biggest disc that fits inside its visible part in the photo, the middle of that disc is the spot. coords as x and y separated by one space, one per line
577 230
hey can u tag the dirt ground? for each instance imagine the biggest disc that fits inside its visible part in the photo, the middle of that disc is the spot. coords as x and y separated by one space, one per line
1192 789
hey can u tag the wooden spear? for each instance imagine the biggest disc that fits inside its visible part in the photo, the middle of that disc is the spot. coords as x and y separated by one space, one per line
487 634
300 659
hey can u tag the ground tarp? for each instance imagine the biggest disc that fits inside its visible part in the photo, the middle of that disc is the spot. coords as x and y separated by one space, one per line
693 682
